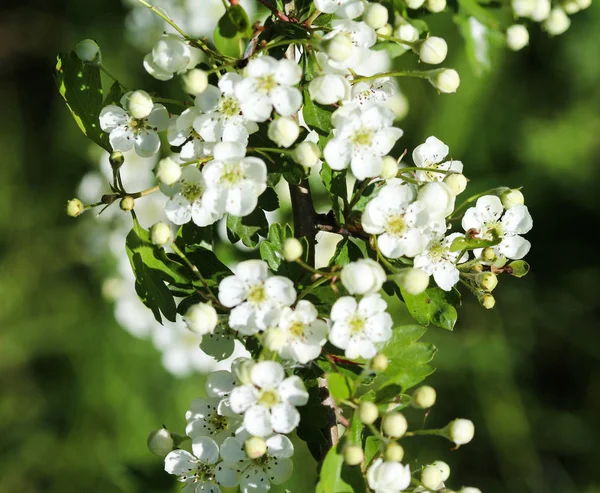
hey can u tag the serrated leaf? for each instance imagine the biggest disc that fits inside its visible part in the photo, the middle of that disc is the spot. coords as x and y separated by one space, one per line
346 251
317 117
271 250
433 306
208 264
232 32
268 200
248 228
339 387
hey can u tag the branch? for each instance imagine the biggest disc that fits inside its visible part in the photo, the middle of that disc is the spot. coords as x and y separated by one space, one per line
304 217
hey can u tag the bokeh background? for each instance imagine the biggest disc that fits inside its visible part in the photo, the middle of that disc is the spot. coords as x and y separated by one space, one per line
78 394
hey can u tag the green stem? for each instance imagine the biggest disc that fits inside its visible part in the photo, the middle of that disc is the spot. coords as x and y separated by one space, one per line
313 270
314 285
110 74
421 74
194 269
270 149
356 197
170 101
164 17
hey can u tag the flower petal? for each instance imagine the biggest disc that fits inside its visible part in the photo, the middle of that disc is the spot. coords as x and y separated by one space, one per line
257 421
267 374
180 462
219 383
242 398
112 117
292 390
284 417
206 449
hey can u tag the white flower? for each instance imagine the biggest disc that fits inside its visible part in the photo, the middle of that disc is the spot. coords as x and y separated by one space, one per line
365 276
256 297
182 133
195 81
138 103
388 477
339 47
212 416
256 476
269 83
201 318
196 471
397 219
283 131
268 402
220 117
432 155
362 136
168 171
349 9
361 327
488 220
234 181
374 91
523 8
329 89
300 334
188 200
307 154
438 261
126 132
541 11
171 55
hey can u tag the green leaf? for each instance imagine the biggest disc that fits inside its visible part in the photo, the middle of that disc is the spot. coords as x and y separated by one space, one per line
346 251
232 32
371 447
477 44
268 200
210 267
394 49
151 272
314 419
189 234
467 243
80 86
316 116
248 228
483 15
114 95
338 477
518 268
339 387
434 305
271 250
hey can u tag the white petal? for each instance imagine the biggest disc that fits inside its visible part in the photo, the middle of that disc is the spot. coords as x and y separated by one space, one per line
286 100
206 449
281 290
343 308
207 100
158 118
267 374
366 165
288 73
112 117
240 201
280 470
121 139
219 383
147 143
371 304
292 390
180 462
514 247
232 450
340 334
284 418
232 291
257 421
379 327
338 153
257 108
226 475
280 447
242 398
386 138
351 9
229 150
446 275
489 207
252 271
254 480
203 216
390 246
178 210
517 220
261 66
243 318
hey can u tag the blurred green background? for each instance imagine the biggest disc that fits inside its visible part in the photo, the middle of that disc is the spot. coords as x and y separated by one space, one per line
78 395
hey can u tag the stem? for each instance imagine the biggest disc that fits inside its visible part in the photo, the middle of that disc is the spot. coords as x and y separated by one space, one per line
304 216
275 12
421 74
169 101
164 17
195 270
270 149
110 74
143 193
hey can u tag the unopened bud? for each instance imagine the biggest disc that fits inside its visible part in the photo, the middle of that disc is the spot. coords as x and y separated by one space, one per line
168 171
127 203
195 81
380 362
201 318
469 489
445 80
75 207
488 281
435 6
457 182
241 367
415 4
570 7
488 254
511 198
557 22
88 51
424 397
353 455
517 37
339 48
461 431
284 131
407 32
255 447
393 453
329 89
307 154
523 8
432 50
292 249
160 442
116 159
413 280
386 30
584 4
487 301
394 425
375 15
368 412
541 10
431 477
444 468
139 104
389 168
160 234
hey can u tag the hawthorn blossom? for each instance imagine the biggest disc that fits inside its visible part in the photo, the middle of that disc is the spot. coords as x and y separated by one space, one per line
360 327
256 297
431 154
349 9
181 133
256 475
364 276
233 180
126 132
388 477
171 55
488 220
374 91
362 136
269 84
438 261
197 471
268 401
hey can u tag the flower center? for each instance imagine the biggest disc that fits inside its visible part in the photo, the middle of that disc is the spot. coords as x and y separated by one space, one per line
492 231
228 107
268 398
206 473
257 295
363 137
218 422
436 252
297 329
266 83
357 324
396 224
232 174
191 191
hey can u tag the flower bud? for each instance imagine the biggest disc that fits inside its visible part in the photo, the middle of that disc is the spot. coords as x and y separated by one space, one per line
116 159
255 447
407 32
160 442
75 207
435 6
415 4
307 154
353 455
380 362
284 131
292 249
329 89
138 103
557 22
488 281
127 203
413 280
541 10
393 453
160 234
375 15
88 51
523 8
469 489
432 50
457 182
195 81
431 477
517 37
339 48
488 254
389 168
368 412
365 276
584 4
398 103
445 80
461 431
424 397
394 425
386 30
512 197
274 339
444 468
487 301
201 318
241 367
168 171
570 7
